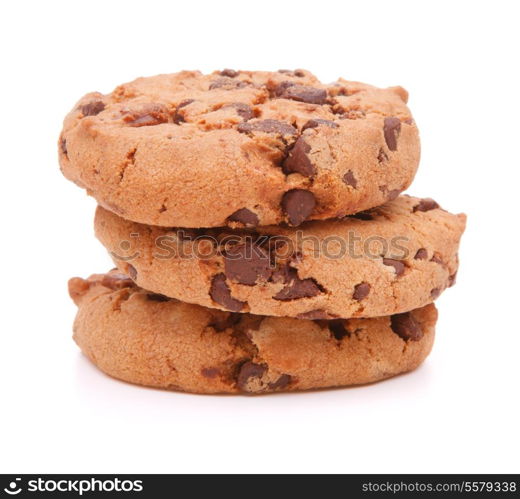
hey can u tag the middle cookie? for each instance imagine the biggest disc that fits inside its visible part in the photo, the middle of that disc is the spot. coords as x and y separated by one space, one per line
388 260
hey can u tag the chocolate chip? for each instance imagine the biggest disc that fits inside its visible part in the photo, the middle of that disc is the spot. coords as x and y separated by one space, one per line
276 244
280 88
246 263
227 83
298 204
184 103
315 123
406 327
382 156
436 258
222 323
92 108
396 264
392 129
231 73
297 288
244 216
426 204
422 254
284 274
150 115
243 110
210 372
221 294
338 329
390 195
303 93
117 281
361 291
248 371
435 293
267 126
280 383
132 272
298 72
63 145
298 160
362 215
157 297
178 117
314 315
349 179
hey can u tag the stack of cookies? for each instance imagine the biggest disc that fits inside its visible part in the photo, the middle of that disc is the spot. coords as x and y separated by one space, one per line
260 237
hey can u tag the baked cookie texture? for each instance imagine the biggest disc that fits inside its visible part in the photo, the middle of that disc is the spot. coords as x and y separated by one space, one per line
240 148
149 339
388 260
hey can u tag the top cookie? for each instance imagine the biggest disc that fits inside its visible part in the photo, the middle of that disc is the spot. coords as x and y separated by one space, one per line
240 148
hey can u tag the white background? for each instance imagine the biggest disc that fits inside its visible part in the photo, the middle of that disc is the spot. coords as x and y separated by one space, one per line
457 413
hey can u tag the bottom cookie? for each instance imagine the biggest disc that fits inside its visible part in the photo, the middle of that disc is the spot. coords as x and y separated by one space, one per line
151 340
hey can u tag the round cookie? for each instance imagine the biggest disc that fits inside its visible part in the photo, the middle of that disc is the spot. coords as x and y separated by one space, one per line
151 340
240 148
391 259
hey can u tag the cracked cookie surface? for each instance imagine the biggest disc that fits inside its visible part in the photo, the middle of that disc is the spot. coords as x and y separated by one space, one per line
240 148
149 339
383 261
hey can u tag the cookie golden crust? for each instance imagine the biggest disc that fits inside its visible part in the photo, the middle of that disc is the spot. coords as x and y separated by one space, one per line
240 148
391 259
148 339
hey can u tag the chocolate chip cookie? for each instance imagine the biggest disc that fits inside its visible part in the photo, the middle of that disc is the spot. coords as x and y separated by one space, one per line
388 260
148 339
240 148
